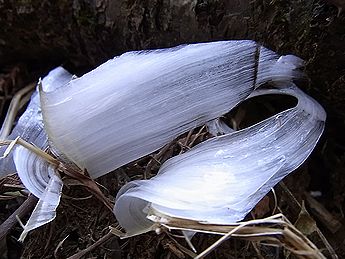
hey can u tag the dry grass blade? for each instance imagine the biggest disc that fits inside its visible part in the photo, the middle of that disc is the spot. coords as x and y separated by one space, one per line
274 230
36 150
185 250
92 247
18 101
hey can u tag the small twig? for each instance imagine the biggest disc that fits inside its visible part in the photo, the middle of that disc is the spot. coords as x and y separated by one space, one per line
74 173
14 186
332 224
156 158
198 134
222 239
322 237
185 144
92 247
23 209
275 230
182 248
258 253
76 198
327 244
168 244
291 196
89 183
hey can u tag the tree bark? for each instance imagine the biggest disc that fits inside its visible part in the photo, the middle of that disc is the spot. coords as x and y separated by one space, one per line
84 33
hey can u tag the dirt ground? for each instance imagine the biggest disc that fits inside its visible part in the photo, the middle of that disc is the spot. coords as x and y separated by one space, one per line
319 183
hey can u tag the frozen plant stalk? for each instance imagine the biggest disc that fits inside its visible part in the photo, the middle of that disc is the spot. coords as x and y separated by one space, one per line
220 180
136 103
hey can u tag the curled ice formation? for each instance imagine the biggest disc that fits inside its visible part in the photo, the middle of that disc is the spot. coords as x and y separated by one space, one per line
134 104
220 180
30 125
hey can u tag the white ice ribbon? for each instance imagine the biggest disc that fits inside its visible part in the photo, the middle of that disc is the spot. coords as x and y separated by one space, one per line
220 180
136 103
